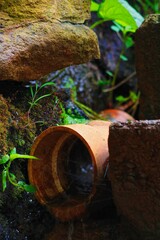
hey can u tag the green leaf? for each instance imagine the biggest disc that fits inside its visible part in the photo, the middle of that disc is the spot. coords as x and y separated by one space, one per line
29 188
69 83
31 90
15 156
37 87
134 97
124 58
121 12
44 96
4 159
13 151
129 42
12 177
67 119
94 6
4 179
47 84
115 28
104 82
109 73
122 99
26 187
32 104
21 184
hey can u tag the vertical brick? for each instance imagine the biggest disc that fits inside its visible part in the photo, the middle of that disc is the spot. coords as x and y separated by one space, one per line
134 150
148 67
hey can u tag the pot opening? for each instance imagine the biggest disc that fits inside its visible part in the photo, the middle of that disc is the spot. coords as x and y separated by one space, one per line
75 168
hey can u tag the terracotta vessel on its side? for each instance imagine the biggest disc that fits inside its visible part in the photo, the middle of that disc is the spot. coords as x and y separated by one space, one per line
73 159
115 115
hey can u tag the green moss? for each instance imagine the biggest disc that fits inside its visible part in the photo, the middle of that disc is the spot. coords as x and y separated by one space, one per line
22 130
27 9
4 124
16 130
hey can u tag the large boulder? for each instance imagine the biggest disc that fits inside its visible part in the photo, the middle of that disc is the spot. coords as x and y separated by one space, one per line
38 37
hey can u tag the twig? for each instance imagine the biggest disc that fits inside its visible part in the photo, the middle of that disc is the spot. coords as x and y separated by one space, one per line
121 83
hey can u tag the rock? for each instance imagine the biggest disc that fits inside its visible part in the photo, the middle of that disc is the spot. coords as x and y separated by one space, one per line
76 11
147 66
38 38
134 173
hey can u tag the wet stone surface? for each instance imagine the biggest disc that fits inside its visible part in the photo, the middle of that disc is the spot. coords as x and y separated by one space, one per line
22 218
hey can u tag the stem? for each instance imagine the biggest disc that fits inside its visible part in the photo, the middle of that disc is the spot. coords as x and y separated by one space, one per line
98 23
88 111
121 83
8 175
117 68
135 105
32 101
115 75
10 180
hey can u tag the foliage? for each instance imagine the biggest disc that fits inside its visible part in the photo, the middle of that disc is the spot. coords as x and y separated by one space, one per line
119 11
131 101
68 117
125 22
6 161
132 96
35 91
147 6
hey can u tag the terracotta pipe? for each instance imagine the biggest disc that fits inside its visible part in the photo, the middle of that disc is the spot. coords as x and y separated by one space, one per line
115 115
61 175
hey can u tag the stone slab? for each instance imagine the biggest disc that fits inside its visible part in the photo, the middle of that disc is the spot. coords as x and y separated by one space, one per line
134 149
148 66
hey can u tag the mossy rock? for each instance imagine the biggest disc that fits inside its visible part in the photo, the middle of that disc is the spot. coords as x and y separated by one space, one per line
4 125
39 37
71 10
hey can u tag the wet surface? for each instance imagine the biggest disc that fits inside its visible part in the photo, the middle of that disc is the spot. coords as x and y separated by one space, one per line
80 171
23 219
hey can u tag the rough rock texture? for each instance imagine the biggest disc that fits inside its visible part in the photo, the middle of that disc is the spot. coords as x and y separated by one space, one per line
37 37
15 128
4 124
135 176
148 67
72 10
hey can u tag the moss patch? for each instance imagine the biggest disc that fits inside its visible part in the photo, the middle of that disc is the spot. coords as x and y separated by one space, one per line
22 130
28 9
4 125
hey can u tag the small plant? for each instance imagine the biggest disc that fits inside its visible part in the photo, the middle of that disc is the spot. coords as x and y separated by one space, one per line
125 22
119 11
68 117
6 161
127 42
132 97
131 102
34 94
147 6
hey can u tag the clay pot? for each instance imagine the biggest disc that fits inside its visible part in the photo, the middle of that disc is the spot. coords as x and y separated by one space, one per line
115 115
72 163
